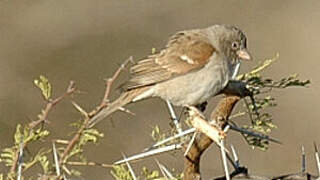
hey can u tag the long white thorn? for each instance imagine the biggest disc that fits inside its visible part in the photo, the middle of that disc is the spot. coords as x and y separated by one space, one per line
317 157
235 156
20 159
174 117
224 160
56 159
183 133
150 153
134 177
190 143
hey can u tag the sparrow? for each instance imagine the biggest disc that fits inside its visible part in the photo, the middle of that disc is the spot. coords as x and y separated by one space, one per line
194 66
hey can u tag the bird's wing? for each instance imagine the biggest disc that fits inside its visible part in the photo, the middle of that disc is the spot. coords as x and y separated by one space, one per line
186 51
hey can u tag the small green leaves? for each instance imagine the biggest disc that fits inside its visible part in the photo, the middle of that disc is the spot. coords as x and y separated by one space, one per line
120 172
157 135
45 87
150 174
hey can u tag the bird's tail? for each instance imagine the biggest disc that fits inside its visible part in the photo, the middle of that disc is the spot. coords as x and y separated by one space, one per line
124 99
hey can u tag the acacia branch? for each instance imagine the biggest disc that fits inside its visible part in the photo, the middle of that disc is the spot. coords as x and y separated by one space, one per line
234 91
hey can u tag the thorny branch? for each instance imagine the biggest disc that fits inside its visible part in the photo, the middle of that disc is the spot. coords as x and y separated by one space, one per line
103 103
51 103
43 118
220 116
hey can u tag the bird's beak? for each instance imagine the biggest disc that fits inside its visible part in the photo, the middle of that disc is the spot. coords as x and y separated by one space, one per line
243 54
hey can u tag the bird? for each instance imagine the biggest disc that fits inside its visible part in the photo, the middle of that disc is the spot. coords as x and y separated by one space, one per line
194 66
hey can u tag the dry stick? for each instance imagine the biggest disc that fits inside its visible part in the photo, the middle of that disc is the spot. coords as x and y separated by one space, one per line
192 160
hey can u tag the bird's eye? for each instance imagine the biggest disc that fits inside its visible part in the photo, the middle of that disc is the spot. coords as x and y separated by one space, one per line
235 45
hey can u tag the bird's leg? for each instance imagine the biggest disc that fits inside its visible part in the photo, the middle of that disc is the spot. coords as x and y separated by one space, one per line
202 107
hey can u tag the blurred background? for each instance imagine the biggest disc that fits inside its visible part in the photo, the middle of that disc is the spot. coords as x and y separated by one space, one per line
85 41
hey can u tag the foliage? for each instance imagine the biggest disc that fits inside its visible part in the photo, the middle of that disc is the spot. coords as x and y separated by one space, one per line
261 120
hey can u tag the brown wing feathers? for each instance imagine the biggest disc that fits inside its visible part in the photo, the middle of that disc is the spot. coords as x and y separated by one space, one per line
185 52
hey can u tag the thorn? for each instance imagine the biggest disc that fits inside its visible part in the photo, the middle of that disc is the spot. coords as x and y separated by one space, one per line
129 167
183 133
190 144
162 170
150 153
235 156
250 133
82 111
174 117
317 156
303 159
224 159
165 171
56 159
126 111
20 159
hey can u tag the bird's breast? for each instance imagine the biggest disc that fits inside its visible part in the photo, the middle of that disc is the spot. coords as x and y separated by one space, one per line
195 87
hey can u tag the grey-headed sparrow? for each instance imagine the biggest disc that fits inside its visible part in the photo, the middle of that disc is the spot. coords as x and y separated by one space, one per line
194 66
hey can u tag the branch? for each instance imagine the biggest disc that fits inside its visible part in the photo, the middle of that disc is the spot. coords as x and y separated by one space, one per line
235 90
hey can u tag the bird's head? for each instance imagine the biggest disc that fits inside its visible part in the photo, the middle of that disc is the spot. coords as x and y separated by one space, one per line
231 42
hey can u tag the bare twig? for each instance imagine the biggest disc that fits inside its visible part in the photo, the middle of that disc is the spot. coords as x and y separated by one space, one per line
110 81
44 115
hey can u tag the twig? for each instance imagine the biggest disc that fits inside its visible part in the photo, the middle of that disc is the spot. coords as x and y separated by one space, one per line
44 115
110 81
104 102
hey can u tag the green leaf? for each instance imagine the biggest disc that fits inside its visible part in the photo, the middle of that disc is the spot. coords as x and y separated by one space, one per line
43 84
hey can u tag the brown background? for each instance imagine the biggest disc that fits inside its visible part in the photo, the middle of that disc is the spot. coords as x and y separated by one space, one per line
85 41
